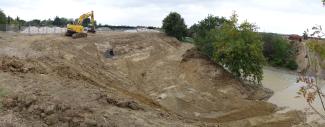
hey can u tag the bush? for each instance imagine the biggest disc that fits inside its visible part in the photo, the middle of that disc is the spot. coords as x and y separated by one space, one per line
3 18
239 49
292 65
202 34
191 32
188 39
318 47
174 25
278 51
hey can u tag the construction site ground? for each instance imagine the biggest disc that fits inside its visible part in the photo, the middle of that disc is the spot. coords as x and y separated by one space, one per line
152 80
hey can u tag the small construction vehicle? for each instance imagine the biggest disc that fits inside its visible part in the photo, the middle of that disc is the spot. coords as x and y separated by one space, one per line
76 30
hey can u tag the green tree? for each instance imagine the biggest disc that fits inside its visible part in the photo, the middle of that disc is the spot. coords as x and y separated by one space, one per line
174 25
191 32
3 19
239 49
44 23
64 21
203 37
209 23
18 23
278 51
17 20
9 20
57 21
305 35
35 22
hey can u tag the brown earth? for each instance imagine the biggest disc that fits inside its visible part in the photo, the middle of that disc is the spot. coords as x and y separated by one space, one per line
153 80
305 56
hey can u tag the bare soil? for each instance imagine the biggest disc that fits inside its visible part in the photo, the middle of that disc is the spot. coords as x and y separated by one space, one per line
153 80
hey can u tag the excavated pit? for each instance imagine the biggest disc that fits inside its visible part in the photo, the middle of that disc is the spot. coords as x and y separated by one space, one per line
152 80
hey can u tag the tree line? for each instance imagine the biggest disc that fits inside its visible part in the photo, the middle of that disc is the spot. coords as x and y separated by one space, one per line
118 27
56 21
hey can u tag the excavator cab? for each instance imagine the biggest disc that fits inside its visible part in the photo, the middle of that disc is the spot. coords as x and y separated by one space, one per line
76 30
92 29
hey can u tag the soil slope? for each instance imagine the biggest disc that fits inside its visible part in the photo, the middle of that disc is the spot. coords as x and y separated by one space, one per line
153 80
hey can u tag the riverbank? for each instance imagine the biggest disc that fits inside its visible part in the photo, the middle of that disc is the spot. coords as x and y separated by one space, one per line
283 83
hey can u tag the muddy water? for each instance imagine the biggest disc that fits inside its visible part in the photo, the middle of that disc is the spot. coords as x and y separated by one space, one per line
283 83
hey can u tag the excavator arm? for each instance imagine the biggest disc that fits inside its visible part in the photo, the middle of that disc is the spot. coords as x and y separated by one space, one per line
92 20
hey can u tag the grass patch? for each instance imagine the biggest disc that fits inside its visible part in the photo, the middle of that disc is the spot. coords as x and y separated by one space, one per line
188 40
2 94
318 47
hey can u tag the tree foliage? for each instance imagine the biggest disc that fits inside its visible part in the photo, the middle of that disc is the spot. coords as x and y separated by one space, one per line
3 17
209 23
239 49
61 21
57 21
35 22
192 30
278 51
9 20
174 25
318 47
202 33
48 22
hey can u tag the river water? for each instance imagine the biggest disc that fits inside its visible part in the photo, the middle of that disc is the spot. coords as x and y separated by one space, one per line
283 83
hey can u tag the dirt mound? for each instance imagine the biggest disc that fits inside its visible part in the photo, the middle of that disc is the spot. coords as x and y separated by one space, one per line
247 91
12 64
57 113
153 80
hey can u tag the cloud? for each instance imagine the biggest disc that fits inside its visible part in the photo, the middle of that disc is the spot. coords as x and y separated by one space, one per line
283 16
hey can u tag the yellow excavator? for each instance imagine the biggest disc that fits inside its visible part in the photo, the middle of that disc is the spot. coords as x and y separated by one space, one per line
76 30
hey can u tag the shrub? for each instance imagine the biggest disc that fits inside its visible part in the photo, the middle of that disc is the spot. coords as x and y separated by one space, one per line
318 47
191 32
3 18
188 39
292 65
202 34
239 49
278 51
174 25
2 94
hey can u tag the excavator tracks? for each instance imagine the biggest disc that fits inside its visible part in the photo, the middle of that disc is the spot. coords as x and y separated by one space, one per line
79 35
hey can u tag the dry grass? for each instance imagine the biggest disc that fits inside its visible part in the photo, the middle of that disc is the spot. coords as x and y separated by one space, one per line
318 46
2 94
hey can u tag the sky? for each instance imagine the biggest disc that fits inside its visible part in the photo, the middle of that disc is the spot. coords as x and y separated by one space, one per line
277 16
